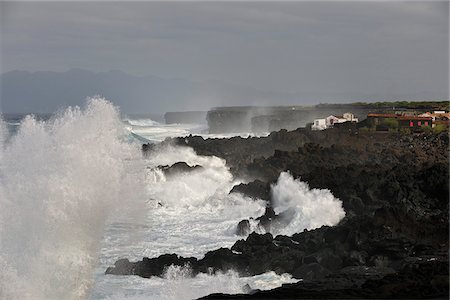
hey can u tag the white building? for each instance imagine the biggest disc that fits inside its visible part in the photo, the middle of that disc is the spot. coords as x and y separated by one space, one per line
328 122
331 120
319 124
350 117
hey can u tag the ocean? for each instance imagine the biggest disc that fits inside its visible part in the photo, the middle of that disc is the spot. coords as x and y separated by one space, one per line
76 195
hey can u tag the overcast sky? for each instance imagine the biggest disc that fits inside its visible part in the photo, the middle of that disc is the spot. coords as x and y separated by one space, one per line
327 47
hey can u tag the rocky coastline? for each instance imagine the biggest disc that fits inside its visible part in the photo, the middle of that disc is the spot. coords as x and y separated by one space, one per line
392 243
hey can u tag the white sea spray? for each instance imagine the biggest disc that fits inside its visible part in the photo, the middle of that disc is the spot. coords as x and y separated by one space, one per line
60 181
304 208
178 283
74 188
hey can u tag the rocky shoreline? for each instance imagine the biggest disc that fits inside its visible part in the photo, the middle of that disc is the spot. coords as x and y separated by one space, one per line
392 243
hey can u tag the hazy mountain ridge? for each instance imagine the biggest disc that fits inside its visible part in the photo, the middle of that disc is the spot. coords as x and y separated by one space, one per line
53 90
47 91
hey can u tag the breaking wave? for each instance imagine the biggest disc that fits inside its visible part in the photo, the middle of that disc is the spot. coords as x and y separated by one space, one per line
66 181
178 283
302 207
141 122
60 181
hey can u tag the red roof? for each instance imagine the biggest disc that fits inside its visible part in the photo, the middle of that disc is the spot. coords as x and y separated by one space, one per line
383 115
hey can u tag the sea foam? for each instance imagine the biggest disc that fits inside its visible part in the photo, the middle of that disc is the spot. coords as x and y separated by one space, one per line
60 181
67 184
304 208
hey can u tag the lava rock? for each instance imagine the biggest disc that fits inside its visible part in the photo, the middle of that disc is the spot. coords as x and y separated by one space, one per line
243 228
179 167
255 189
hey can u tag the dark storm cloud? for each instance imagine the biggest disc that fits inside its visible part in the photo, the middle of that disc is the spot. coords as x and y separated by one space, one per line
342 48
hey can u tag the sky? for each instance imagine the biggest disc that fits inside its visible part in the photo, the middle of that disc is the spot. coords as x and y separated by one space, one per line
348 48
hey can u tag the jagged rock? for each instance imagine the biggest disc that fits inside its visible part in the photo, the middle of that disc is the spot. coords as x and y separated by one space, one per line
422 280
393 242
222 259
179 167
247 289
149 266
243 227
267 219
121 267
255 189
310 271
259 239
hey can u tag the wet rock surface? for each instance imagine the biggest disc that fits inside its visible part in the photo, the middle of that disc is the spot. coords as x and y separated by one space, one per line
419 280
393 242
179 167
255 189
148 267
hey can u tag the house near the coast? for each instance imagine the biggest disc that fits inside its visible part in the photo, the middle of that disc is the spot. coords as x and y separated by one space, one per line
328 122
437 115
382 122
319 124
413 122
376 119
350 117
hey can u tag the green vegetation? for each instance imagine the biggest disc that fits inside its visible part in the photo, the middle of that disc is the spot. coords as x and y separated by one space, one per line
391 123
419 105
439 128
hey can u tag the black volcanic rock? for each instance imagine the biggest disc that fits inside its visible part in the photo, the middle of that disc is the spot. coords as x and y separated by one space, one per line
255 189
266 220
427 279
149 266
393 242
222 259
179 167
122 266
243 227
302 151
310 271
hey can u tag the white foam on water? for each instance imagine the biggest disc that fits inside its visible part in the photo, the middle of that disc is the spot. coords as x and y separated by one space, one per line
189 214
3 137
178 283
141 122
160 132
305 208
76 196
197 208
60 181
153 131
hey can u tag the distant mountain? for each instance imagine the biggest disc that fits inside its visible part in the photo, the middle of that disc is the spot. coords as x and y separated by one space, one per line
42 92
23 91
